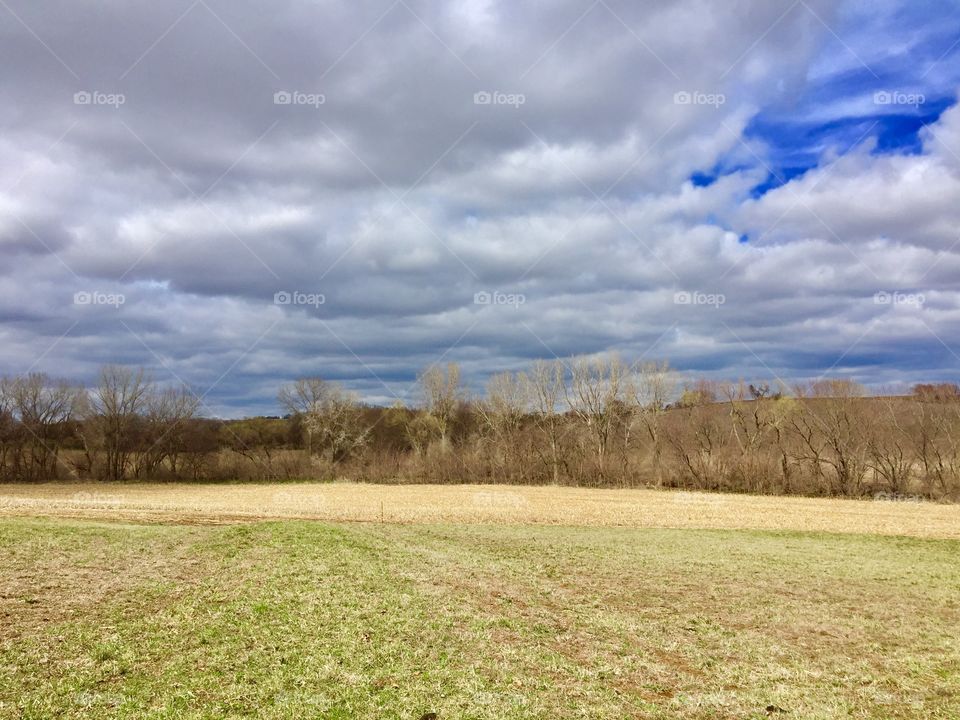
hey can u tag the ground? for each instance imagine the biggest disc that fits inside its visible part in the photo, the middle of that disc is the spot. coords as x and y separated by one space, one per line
217 503
197 617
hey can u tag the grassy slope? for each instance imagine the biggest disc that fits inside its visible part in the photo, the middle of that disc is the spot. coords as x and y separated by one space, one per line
299 619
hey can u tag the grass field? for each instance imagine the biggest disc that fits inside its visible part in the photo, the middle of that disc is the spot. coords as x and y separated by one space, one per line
296 618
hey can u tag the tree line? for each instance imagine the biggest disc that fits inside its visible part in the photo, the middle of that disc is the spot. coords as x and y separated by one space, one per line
589 421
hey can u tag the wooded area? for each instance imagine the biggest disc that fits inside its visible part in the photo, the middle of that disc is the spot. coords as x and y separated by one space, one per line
588 421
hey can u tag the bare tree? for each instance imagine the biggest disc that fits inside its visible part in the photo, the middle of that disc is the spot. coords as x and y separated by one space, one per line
38 411
936 445
545 391
595 395
502 413
165 424
8 428
648 389
442 395
757 421
303 397
831 428
889 450
118 401
697 438
505 405
839 388
782 412
937 392
331 417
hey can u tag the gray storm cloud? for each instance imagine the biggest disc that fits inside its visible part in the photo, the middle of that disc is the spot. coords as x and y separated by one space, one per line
398 158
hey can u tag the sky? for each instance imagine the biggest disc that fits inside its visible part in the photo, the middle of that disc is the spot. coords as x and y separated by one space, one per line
234 194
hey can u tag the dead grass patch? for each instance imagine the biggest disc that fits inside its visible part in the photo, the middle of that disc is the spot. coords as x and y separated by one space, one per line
474 504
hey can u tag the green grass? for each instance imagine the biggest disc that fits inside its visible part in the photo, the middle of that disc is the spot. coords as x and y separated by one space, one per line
300 619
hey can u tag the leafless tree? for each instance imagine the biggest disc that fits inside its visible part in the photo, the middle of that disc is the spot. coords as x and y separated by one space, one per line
595 395
165 424
303 397
831 427
758 425
331 417
545 392
502 413
38 413
8 428
648 389
442 394
117 403
889 449
782 411
937 392
696 439
936 445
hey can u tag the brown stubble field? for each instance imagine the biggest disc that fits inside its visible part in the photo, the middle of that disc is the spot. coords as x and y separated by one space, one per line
349 502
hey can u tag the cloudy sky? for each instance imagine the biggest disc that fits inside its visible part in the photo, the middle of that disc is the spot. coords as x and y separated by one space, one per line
236 193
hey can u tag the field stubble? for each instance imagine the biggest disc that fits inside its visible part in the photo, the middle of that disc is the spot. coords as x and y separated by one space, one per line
471 504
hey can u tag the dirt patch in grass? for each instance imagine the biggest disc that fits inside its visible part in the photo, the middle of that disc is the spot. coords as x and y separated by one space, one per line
44 583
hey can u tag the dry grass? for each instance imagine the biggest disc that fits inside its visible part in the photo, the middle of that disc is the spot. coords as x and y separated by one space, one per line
223 503
42 584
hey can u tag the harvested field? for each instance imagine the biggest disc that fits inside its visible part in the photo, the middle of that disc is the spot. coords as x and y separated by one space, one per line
221 503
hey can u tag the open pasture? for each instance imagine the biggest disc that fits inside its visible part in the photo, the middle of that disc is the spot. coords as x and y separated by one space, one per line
470 602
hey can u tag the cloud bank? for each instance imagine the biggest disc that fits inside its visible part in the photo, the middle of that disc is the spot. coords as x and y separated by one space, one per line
234 194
